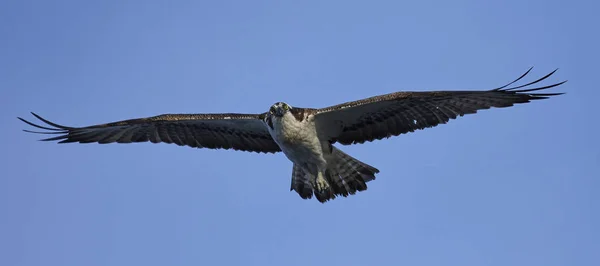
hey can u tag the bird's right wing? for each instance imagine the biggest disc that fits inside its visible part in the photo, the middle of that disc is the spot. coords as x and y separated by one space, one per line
406 111
245 132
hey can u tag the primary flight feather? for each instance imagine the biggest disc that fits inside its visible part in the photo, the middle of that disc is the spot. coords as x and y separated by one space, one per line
306 135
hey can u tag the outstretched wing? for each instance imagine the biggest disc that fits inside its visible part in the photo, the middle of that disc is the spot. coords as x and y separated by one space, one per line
245 132
402 112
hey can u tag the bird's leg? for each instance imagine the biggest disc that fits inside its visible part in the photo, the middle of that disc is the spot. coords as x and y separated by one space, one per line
321 182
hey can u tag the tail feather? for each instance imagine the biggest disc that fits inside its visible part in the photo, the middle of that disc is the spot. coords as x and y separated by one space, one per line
301 183
349 175
346 175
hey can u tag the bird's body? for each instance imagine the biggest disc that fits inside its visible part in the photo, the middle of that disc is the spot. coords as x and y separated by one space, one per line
305 135
298 139
316 162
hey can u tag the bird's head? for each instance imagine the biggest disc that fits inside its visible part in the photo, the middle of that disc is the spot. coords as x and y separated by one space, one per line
279 109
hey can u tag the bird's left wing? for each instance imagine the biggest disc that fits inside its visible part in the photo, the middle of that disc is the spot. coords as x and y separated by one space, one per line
245 132
402 112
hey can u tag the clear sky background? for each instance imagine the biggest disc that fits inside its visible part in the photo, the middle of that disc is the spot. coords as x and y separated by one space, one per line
514 186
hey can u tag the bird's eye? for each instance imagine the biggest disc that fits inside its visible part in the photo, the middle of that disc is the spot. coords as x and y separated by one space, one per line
286 107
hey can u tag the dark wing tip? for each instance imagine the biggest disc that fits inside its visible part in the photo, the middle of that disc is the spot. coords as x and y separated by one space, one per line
525 88
51 123
512 82
54 129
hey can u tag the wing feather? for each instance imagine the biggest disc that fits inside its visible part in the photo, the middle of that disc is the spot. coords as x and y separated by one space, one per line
245 132
402 112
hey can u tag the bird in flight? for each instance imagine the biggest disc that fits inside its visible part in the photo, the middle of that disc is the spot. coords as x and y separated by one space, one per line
307 135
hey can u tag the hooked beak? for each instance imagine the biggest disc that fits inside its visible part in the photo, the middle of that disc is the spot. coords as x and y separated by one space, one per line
279 112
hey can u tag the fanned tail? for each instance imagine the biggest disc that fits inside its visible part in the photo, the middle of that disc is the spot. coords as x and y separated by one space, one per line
345 175
349 175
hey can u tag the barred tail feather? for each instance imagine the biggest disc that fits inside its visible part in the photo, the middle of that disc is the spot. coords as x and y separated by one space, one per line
345 175
301 183
349 175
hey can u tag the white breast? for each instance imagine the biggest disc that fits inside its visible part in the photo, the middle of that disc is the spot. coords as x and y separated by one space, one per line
298 140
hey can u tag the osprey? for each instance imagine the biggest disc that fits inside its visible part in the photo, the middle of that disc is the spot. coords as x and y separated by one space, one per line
306 135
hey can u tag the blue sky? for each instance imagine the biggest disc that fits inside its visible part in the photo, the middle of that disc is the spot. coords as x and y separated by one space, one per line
514 186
